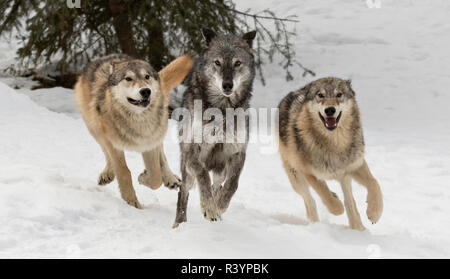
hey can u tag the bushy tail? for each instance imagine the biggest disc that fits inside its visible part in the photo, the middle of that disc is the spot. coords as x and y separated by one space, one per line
174 73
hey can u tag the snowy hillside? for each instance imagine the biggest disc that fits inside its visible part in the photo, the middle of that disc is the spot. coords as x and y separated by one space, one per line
398 58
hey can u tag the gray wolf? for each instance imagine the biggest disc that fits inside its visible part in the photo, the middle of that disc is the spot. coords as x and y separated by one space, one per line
124 103
221 78
321 138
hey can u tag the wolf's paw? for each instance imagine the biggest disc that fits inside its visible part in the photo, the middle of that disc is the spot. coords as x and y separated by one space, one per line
336 207
134 202
358 227
154 182
222 204
175 225
106 177
178 221
210 210
374 208
172 181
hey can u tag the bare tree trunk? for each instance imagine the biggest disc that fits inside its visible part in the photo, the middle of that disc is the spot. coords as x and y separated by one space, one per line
157 47
123 27
155 38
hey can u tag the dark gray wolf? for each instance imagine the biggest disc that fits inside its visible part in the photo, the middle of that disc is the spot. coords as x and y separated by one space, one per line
221 78
321 138
124 103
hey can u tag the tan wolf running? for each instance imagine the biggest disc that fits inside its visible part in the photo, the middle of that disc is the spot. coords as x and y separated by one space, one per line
321 139
124 103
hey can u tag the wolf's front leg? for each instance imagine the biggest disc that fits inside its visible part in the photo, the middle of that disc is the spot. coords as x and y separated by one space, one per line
169 179
218 178
234 169
183 194
207 201
350 205
182 202
374 195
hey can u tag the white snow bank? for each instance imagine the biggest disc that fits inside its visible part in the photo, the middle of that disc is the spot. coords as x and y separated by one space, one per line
50 205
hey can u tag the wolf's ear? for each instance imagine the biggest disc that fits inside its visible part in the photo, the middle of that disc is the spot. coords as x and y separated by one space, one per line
111 68
248 37
174 73
208 34
348 82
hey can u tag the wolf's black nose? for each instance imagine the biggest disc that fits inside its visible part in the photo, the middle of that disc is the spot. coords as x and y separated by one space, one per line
330 111
145 92
227 86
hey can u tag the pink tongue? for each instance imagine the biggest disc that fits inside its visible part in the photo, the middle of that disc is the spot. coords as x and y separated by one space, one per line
331 122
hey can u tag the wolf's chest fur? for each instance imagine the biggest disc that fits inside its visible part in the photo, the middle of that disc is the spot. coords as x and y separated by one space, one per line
215 156
138 132
216 151
328 164
332 156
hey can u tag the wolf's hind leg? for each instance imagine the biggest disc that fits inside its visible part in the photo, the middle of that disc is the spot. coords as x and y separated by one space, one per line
329 198
123 175
300 186
107 175
350 205
151 177
169 179
374 195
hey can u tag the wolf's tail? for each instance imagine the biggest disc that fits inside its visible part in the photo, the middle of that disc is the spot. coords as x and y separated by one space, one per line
174 73
184 65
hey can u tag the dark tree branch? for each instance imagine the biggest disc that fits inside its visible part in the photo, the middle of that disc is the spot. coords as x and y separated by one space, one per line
154 30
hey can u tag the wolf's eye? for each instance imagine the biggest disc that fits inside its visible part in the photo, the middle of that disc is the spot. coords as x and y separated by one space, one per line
321 96
128 79
237 63
147 77
339 95
217 62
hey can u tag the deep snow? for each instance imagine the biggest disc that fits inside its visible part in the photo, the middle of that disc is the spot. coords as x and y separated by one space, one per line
397 56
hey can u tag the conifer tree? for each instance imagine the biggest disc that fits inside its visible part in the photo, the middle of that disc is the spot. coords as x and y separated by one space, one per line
73 32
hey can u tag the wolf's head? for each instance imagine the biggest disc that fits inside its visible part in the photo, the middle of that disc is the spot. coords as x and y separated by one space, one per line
330 100
134 83
228 65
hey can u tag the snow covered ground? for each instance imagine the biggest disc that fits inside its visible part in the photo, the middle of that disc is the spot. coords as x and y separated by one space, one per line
398 57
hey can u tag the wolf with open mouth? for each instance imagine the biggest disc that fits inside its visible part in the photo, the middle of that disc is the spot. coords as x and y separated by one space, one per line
321 139
124 103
